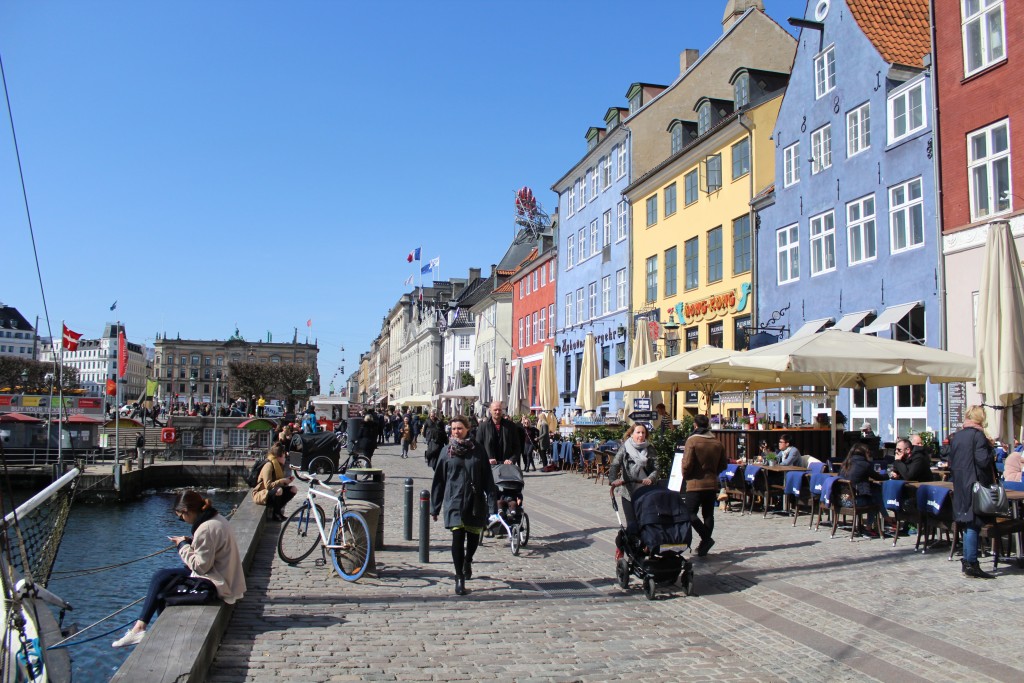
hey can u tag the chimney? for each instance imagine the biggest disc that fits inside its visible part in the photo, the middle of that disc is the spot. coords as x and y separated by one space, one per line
474 273
734 9
686 58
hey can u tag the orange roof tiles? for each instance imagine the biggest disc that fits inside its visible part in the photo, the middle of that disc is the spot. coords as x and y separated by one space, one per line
897 28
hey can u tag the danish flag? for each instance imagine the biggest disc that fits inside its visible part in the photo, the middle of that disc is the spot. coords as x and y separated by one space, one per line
70 341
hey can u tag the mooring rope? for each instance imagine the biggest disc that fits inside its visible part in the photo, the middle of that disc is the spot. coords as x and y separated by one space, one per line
96 623
73 573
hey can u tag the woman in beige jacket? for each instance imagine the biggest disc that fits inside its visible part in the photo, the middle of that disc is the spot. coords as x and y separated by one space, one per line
274 489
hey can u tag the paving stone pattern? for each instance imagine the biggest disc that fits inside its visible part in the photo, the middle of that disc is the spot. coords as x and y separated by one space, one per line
773 603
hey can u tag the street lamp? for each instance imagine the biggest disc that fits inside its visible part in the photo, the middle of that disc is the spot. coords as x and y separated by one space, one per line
193 377
309 384
216 409
671 336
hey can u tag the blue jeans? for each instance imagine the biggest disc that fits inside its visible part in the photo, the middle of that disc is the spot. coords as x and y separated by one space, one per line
971 540
153 604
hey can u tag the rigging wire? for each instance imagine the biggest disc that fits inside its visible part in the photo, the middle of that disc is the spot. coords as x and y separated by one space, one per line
96 623
74 573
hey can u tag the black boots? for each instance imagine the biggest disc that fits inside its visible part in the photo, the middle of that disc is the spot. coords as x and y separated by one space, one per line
467 569
460 585
974 570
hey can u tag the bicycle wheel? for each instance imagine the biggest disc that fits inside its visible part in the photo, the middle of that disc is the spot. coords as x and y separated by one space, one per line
299 535
322 468
514 539
524 530
360 462
352 560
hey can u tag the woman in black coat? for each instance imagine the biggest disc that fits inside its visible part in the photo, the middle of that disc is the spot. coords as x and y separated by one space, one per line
971 459
464 483
860 470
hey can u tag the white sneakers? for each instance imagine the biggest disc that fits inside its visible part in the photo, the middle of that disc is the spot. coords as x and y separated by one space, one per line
130 638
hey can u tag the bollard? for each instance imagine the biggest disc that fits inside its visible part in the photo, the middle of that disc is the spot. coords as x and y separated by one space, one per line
408 509
425 526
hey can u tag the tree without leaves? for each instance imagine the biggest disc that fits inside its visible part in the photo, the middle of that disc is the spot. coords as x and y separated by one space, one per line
36 382
250 379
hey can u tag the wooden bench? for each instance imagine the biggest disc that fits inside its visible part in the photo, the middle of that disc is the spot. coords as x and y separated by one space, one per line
182 641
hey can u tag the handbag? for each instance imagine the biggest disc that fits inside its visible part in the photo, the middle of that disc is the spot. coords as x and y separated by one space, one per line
990 500
190 590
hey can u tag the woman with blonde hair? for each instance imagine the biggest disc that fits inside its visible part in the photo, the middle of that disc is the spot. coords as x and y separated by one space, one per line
971 459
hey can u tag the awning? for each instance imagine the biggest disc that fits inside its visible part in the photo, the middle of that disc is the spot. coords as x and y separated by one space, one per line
851 320
810 328
414 400
889 317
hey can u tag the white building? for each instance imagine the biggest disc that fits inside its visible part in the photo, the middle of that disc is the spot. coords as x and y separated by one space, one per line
17 336
96 362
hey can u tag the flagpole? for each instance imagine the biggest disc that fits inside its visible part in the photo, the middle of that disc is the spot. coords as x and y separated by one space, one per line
60 409
117 409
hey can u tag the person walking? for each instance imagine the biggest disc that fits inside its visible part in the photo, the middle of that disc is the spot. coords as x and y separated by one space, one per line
464 486
543 439
703 460
435 436
529 444
406 437
500 438
635 463
366 444
971 459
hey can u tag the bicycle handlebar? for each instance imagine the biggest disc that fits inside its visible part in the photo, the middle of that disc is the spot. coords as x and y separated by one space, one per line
298 474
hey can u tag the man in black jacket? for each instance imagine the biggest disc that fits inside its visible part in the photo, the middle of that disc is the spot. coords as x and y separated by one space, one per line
501 439
435 436
912 461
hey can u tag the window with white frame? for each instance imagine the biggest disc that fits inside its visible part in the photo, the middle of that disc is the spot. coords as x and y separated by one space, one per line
543 275
551 271
463 366
791 164
535 325
570 252
594 174
522 341
825 72
463 342
581 237
906 112
542 324
988 163
860 229
595 238
858 129
606 294
620 161
551 320
652 279
606 172
592 300
634 102
823 243
788 245
652 210
984 34
620 288
821 149
568 309
526 282
703 118
581 312
535 275
906 215
582 198
572 199
606 227
911 402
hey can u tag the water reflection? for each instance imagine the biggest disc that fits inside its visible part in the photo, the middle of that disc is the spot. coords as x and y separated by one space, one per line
100 535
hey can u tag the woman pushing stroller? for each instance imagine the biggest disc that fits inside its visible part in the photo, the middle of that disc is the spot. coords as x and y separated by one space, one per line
635 463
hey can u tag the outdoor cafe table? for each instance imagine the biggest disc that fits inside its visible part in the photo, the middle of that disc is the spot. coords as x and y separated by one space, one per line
776 475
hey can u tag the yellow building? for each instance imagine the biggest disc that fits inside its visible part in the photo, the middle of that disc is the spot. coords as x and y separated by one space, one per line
693 250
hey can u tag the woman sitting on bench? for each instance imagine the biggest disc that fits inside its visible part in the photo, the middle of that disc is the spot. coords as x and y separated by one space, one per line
210 555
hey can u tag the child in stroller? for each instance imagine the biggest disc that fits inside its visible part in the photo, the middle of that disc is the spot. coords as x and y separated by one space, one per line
652 540
510 515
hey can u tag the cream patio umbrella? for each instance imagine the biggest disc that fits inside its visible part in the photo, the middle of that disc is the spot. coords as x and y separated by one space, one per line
517 403
501 384
999 332
586 396
834 359
644 377
548 383
641 356
483 396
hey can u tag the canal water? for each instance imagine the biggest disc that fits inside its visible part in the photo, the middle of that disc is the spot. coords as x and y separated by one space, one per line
100 535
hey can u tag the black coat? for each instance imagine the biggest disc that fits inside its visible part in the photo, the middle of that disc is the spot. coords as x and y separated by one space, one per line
367 442
918 467
971 459
860 472
450 486
435 436
501 445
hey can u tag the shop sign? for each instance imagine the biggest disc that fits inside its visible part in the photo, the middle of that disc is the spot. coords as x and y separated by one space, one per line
568 346
714 306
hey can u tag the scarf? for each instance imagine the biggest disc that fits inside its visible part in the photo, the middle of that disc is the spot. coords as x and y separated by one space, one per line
459 448
637 451
971 424
205 515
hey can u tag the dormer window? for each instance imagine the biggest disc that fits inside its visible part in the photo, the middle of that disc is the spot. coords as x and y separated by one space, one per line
591 143
704 118
741 91
634 102
677 136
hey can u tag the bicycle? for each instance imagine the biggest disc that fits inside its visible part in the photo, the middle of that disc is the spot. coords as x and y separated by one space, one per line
323 466
349 543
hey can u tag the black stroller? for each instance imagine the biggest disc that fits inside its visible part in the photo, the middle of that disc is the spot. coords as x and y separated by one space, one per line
511 515
652 541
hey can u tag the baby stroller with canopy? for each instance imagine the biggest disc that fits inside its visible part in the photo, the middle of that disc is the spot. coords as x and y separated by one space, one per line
511 516
653 539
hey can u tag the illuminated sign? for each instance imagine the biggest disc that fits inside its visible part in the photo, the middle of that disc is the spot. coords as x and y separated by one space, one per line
714 306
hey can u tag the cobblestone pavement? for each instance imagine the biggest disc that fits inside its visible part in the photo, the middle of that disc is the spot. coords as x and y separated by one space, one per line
772 603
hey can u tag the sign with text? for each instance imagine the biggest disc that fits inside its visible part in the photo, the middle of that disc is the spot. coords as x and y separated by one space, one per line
641 415
956 403
641 404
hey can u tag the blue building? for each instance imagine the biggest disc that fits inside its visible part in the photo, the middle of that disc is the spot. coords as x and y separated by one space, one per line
592 294
849 238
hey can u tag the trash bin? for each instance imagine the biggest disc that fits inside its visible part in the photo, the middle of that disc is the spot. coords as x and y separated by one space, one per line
368 488
371 511
353 430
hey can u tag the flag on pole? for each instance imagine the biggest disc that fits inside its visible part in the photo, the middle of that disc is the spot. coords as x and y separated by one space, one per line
309 322
122 354
414 255
151 386
113 305
433 264
408 281
70 340
111 388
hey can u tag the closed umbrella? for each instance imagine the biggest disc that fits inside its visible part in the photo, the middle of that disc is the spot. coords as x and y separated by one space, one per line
641 355
501 385
547 381
999 332
436 397
586 396
517 403
834 359
483 395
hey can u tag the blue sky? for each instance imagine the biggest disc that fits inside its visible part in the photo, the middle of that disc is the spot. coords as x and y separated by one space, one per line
259 164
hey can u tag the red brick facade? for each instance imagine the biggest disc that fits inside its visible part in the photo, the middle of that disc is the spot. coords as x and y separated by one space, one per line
965 105
533 297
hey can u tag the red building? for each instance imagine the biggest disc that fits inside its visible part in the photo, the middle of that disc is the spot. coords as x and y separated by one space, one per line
533 314
980 145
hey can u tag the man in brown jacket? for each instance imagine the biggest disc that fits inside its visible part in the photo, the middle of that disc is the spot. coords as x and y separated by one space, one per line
703 460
